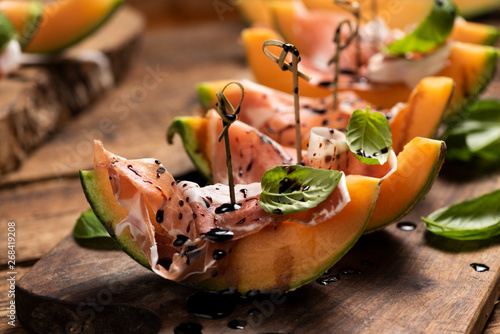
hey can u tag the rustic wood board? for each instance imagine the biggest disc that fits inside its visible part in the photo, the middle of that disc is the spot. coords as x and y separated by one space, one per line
406 282
402 283
47 91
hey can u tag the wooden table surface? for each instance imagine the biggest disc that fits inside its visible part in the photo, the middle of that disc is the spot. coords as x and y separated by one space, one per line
44 196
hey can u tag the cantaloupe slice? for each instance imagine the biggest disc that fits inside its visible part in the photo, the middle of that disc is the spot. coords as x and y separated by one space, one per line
419 164
421 115
66 22
474 33
397 14
267 72
102 200
289 16
279 258
25 16
287 257
471 66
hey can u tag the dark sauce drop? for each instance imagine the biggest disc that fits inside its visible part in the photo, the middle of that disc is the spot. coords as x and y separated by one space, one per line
227 207
159 216
237 324
349 271
210 306
218 254
406 226
180 240
479 267
218 234
188 328
328 279
288 185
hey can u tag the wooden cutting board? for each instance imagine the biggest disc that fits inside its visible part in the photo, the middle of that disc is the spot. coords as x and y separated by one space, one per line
392 281
48 91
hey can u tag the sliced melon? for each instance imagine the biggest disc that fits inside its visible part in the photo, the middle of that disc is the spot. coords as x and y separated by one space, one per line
266 71
397 14
470 8
193 131
7 31
282 257
291 255
296 24
67 22
423 113
474 33
419 164
471 67
25 17
97 189
419 117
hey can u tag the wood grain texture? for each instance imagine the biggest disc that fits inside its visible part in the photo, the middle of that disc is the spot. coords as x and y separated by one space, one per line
133 120
410 282
47 91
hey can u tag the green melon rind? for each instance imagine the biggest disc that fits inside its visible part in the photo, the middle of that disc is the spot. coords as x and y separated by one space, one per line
436 168
7 31
182 126
205 95
103 209
32 23
480 10
337 256
86 33
481 82
492 36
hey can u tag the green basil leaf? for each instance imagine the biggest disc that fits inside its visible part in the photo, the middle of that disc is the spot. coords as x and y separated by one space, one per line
88 226
369 137
473 219
476 136
430 33
292 189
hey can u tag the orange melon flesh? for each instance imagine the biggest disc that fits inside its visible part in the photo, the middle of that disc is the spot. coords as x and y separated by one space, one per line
25 16
418 166
419 163
97 189
470 66
272 259
396 14
266 71
293 254
66 22
423 113
420 117
286 13
474 33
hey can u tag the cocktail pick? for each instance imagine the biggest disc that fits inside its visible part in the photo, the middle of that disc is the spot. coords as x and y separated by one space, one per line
336 58
292 67
228 115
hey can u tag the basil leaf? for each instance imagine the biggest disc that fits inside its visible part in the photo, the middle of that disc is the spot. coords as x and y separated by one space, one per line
369 137
292 189
430 33
473 219
88 226
476 136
